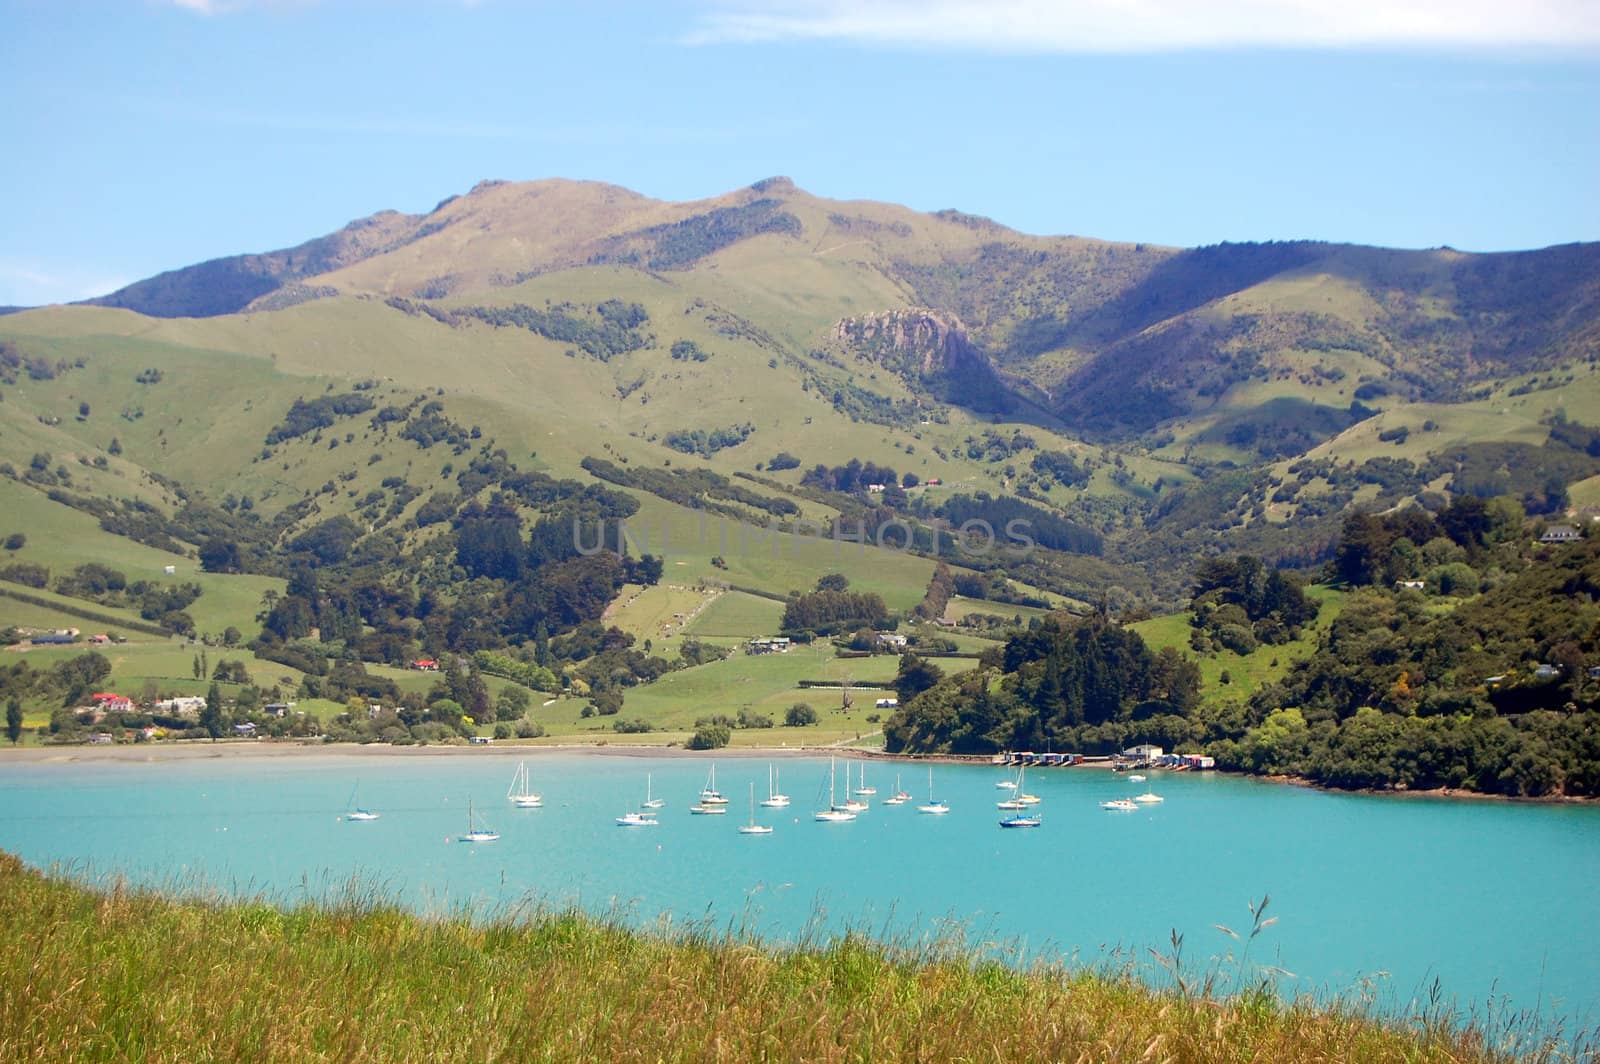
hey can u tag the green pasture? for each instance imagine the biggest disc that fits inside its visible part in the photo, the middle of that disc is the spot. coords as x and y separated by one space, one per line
733 614
1247 673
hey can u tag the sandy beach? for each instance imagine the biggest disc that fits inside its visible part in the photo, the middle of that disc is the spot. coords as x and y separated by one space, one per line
186 750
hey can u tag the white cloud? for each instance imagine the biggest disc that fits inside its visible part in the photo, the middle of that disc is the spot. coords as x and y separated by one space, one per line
31 284
1125 26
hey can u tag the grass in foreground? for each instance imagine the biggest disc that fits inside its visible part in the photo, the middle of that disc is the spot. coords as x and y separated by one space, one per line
133 975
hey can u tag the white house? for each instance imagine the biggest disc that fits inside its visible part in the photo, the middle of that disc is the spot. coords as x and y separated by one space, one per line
1143 752
1560 534
183 705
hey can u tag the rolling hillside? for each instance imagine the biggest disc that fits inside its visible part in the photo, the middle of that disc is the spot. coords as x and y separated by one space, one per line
717 359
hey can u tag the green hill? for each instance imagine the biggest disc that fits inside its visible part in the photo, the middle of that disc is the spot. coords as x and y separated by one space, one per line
768 387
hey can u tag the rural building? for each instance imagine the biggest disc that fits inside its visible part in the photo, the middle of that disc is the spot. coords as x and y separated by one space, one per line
181 706
1560 534
891 639
425 665
245 728
110 702
888 703
1411 585
99 639
768 645
1546 672
170 570
1143 752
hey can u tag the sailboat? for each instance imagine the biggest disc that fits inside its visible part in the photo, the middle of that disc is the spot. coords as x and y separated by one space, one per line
1021 820
833 814
709 795
774 799
753 828
1016 801
864 789
900 795
475 833
650 800
357 811
851 805
935 805
519 793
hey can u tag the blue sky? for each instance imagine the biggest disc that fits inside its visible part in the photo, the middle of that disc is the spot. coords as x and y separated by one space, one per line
143 135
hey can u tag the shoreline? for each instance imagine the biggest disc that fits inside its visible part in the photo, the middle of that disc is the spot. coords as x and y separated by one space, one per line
192 750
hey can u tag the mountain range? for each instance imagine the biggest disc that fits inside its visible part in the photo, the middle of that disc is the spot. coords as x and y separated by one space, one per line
1175 402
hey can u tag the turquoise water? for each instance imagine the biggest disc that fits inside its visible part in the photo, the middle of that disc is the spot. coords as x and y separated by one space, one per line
1496 902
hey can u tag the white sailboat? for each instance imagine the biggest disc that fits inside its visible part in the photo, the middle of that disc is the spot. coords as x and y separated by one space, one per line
518 792
753 828
935 806
775 799
475 832
357 811
833 814
650 800
864 789
709 795
1016 800
900 795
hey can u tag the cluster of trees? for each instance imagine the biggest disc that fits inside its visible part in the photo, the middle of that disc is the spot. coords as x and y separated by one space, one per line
1062 467
677 245
1052 686
164 604
609 329
851 478
831 610
707 442
941 586
688 351
1240 602
1045 528
698 489
308 416
1412 544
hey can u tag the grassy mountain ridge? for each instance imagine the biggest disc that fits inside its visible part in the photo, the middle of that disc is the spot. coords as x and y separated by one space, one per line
1174 402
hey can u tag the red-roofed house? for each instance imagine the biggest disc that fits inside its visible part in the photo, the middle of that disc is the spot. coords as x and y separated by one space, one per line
109 702
425 665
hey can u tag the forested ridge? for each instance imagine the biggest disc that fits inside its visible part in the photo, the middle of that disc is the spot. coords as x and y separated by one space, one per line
1497 693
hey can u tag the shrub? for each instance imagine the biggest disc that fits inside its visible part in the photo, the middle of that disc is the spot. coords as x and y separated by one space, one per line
747 719
800 714
26 574
16 541
710 737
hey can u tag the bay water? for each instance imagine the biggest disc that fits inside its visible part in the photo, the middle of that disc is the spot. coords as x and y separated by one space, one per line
1496 906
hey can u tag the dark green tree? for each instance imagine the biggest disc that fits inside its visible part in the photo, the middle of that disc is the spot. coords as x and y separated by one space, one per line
211 716
14 721
915 676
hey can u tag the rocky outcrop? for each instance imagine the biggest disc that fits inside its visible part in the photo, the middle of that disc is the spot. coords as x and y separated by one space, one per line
928 348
